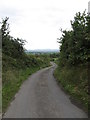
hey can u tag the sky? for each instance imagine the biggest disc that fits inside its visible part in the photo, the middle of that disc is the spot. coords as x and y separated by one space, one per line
39 21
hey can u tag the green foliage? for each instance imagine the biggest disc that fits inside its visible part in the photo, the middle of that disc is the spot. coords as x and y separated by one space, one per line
11 46
75 81
14 55
5 27
73 66
12 80
74 47
16 64
54 57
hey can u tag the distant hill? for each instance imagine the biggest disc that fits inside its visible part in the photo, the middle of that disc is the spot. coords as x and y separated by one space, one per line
43 51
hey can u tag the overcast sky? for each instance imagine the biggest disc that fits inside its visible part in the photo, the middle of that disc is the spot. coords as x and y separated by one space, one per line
39 21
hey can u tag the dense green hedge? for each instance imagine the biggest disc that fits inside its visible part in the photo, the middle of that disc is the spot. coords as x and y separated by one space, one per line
74 44
16 64
73 63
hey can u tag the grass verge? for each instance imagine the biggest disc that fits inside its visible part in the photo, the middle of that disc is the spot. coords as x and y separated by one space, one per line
74 81
12 82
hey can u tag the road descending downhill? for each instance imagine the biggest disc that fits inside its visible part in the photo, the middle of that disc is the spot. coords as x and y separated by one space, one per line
41 97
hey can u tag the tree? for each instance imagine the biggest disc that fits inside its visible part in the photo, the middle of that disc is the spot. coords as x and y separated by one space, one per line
79 26
75 43
5 27
11 46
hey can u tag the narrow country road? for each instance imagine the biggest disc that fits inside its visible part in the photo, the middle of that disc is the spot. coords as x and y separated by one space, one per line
41 97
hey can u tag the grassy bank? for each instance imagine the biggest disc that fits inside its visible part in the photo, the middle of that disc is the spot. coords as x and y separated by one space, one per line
74 80
15 72
17 65
13 79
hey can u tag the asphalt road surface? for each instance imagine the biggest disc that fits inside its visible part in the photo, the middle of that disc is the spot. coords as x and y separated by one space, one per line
41 97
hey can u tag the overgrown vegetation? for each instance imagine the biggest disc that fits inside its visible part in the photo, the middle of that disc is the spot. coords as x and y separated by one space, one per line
73 67
16 64
54 57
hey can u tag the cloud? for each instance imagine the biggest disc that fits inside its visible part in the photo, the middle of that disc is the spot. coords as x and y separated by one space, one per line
38 21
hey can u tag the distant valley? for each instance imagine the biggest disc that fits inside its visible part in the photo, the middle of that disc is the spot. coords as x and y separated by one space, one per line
43 51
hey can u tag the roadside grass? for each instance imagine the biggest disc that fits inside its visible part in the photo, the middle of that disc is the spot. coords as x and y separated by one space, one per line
12 80
55 60
0 101
74 81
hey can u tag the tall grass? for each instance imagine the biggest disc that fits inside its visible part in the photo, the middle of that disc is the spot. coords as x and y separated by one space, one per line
75 81
12 80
